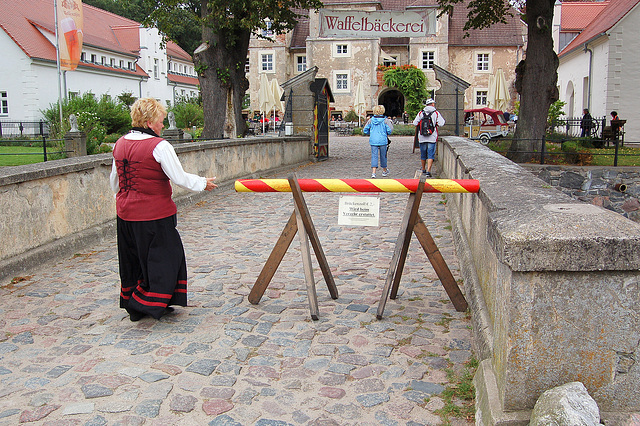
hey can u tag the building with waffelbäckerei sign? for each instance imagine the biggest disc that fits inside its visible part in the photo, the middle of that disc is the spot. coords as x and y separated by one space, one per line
352 41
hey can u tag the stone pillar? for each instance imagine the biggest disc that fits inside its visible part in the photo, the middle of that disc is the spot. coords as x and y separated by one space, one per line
173 135
302 100
75 143
450 101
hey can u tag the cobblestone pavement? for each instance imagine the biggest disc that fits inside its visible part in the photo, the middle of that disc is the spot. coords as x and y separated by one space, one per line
70 356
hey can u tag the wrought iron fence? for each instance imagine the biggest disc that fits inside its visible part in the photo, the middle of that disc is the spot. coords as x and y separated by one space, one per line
23 128
574 127
45 143
543 155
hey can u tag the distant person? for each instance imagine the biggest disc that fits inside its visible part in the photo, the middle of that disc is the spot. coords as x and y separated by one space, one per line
405 117
507 116
153 269
428 141
615 125
378 128
586 123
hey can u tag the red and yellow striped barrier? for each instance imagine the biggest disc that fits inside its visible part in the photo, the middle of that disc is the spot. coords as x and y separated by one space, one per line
359 185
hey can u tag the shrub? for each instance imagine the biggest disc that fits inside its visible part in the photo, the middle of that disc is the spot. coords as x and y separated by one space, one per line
95 117
351 116
188 114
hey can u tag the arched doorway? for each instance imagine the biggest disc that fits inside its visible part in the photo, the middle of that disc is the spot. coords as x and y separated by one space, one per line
393 102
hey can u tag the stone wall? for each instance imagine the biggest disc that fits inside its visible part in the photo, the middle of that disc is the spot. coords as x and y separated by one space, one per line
51 209
614 188
553 285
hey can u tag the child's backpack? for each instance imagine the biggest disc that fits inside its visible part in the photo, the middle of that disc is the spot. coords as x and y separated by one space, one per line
426 124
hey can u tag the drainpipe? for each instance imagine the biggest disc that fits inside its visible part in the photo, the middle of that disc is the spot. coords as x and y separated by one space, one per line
586 49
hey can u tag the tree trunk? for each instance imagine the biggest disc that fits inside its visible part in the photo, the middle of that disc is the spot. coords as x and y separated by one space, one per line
536 79
220 61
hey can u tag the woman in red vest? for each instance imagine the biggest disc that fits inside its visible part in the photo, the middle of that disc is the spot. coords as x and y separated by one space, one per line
153 269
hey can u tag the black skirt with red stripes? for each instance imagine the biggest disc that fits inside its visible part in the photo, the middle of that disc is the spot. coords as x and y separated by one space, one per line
153 268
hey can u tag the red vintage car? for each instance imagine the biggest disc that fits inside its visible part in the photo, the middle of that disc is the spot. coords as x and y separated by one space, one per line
484 124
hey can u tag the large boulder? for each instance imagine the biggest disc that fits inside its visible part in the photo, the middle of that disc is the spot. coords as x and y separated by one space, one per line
566 405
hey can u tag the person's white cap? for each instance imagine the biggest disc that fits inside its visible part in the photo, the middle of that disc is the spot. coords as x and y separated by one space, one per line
429 101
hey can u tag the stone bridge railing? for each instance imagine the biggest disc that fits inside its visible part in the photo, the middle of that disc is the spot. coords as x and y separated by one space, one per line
55 208
554 286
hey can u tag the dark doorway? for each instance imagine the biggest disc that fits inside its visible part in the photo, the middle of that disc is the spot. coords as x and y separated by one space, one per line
393 102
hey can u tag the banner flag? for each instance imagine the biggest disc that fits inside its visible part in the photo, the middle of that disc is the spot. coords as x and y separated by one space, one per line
70 25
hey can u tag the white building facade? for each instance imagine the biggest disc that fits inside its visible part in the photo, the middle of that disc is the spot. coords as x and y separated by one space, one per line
600 68
118 56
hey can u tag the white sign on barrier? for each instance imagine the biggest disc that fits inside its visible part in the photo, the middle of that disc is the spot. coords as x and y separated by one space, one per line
358 210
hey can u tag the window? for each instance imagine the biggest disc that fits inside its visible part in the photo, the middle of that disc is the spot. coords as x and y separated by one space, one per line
428 59
246 66
4 103
481 98
93 58
103 60
112 62
83 56
341 81
482 62
266 60
390 61
130 65
341 50
267 32
121 63
301 63
155 69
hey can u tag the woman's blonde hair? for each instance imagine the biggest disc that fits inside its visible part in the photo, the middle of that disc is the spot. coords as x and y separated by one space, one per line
145 110
378 110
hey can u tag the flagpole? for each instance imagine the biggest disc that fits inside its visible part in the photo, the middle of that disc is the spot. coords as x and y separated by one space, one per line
55 14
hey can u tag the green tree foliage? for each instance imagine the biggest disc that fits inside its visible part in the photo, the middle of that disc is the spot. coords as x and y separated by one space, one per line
536 75
96 117
411 82
226 29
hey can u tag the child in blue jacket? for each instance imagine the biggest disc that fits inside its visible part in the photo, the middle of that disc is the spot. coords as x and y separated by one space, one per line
378 128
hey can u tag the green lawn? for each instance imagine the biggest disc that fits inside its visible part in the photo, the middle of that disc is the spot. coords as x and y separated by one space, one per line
599 156
19 160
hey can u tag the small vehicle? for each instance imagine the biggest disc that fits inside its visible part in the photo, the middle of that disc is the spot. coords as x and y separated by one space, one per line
484 124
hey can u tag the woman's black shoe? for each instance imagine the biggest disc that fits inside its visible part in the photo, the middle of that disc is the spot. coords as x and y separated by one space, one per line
136 316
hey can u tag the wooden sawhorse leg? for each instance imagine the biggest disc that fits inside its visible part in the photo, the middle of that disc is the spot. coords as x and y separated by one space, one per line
300 220
412 223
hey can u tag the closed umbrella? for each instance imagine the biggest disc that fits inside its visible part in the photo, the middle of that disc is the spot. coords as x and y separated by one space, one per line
491 93
276 93
502 95
498 95
264 97
359 103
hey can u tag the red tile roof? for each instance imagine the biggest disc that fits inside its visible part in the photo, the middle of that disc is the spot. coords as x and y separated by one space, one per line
604 21
23 20
183 79
509 34
576 15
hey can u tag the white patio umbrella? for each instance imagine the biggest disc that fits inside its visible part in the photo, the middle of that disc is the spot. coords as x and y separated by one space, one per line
502 91
498 96
491 93
276 93
264 97
359 103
